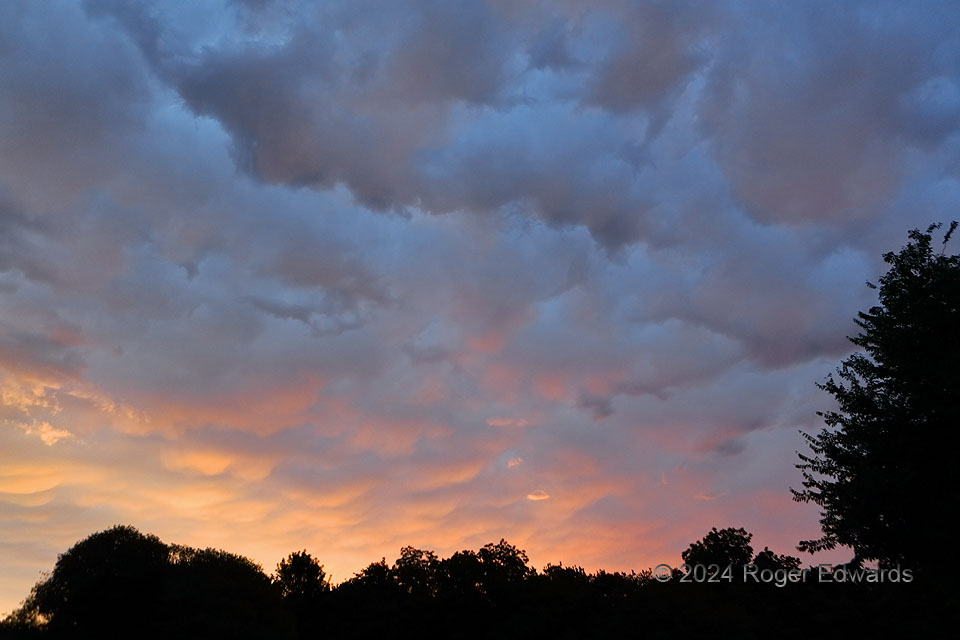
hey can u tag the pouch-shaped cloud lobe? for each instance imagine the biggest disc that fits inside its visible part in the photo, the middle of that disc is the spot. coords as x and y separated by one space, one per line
359 275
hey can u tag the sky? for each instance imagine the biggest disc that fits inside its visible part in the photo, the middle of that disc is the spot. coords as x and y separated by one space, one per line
359 275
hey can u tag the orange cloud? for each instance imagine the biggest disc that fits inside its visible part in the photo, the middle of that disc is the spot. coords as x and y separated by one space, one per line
508 422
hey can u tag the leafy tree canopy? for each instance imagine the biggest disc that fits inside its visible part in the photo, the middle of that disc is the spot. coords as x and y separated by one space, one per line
301 577
883 470
724 547
120 569
767 559
120 583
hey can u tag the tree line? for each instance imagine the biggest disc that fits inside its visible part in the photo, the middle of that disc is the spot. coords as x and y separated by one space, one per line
121 583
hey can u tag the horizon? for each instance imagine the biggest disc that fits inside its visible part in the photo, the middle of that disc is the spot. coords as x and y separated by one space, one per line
355 277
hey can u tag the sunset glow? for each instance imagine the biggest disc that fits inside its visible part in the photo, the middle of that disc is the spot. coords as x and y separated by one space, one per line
351 278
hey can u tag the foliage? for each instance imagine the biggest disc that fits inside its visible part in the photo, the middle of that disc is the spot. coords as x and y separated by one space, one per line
417 572
767 559
883 469
300 577
121 583
724 547
462 576
504 561
217 594
120 566
489 593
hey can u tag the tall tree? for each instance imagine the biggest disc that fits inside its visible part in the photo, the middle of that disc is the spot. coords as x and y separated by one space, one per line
884 469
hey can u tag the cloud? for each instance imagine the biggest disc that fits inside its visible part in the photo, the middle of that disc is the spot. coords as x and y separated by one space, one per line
818 132
354 277
507 422
658 48
48 434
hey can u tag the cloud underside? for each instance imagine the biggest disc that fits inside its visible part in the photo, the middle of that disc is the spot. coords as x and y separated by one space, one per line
355 277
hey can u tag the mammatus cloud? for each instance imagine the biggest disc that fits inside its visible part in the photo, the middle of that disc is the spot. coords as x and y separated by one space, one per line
354 277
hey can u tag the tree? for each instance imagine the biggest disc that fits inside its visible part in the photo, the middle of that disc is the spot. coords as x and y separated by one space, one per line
726 547
462 576
301 578
212 593
884 469
505 561
417 572
304 587
106 585
120 583
767 559
504 569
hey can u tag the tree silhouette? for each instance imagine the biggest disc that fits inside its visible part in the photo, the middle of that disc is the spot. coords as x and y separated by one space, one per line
305 590
182 592
300 577
503 568
462 576
216 594
106 585
376 579
120 583
883 470
505 561
767 559
417 572
724 547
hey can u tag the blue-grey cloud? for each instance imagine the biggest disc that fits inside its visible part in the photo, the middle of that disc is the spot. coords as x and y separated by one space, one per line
358 275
